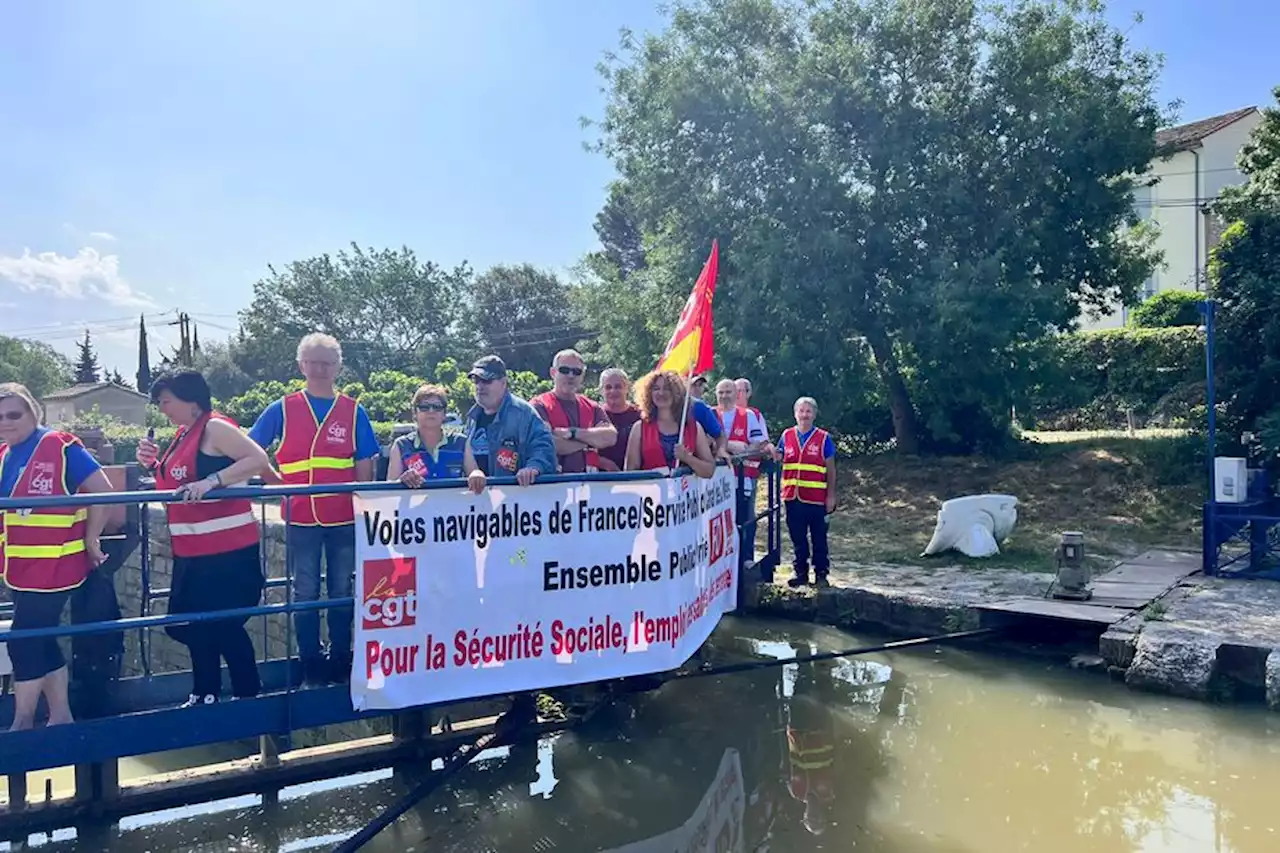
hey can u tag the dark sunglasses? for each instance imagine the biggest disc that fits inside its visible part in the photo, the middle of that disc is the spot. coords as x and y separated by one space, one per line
14 416
431 407
571 371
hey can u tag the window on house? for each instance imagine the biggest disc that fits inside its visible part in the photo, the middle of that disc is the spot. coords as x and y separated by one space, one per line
1213 228
1142 201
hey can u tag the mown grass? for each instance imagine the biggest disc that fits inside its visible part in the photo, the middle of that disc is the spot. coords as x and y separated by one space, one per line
1126 494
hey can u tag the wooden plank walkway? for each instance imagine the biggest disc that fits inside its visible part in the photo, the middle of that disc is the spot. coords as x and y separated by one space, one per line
1130 586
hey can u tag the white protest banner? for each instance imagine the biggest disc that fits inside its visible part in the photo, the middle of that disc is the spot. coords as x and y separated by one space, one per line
515 589
715 826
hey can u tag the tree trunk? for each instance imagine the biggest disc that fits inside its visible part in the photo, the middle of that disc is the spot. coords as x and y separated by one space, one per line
904 415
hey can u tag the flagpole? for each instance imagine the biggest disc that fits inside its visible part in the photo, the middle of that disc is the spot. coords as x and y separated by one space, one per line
688 404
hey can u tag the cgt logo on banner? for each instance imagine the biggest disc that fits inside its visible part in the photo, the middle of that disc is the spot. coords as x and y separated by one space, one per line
522 588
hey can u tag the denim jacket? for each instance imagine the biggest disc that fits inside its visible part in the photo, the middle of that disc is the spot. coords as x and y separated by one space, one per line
517 436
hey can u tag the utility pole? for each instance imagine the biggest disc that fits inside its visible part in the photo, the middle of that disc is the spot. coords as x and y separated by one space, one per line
184 338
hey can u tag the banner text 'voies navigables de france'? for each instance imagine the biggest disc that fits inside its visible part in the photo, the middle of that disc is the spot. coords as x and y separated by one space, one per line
518 588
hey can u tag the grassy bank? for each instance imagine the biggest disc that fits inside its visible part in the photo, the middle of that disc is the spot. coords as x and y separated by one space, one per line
1125 494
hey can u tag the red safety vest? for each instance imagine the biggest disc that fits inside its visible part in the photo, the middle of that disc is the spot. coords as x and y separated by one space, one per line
812 755
316 454
651 456
738 432
559 419
43 549
207 527
804 469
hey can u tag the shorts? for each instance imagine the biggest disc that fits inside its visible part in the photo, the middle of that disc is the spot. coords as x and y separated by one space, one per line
35 658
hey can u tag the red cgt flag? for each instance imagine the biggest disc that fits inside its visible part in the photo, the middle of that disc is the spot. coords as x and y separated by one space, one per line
692 346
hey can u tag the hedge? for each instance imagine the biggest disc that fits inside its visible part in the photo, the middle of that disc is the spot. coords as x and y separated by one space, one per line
125 437
1092 380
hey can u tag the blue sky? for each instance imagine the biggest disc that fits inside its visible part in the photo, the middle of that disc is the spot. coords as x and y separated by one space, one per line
157 155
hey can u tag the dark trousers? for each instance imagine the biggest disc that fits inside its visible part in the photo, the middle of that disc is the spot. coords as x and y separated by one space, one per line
804 522
226 640
95 658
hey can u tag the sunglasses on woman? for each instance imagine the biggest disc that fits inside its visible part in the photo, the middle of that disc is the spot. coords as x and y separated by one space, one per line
13 416
431 407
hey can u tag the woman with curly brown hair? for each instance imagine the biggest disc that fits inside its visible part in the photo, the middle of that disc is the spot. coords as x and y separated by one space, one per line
655 444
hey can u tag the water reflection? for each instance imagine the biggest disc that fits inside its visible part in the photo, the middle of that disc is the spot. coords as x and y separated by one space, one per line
927 751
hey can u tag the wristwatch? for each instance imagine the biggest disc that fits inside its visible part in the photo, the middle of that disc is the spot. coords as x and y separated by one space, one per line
573 433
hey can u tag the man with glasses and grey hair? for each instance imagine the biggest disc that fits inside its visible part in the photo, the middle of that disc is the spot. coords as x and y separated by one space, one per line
325 438
579 426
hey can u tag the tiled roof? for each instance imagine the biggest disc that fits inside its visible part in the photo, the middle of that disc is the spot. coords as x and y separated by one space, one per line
85 388
1187 136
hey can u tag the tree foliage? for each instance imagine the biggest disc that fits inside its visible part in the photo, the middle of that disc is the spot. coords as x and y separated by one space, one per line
523 314
86 362
1244 272
1097 380
34 364
143 375
1167 309
217 363
1259 160
390 310
388 393
930 182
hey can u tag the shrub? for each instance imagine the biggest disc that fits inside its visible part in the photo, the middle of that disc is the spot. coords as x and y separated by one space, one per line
1091 380
1245 270
1168 309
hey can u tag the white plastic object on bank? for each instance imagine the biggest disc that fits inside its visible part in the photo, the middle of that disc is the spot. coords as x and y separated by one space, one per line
974 525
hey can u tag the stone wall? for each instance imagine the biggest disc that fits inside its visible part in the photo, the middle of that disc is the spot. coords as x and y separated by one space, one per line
271 635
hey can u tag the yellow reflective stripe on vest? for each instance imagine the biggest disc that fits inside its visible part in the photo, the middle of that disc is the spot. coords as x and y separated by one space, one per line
807 484
16 519
813 758
804 466
44 552
316 462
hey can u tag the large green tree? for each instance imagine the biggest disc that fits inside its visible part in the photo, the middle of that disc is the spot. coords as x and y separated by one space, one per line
390 310
522 313
928 181
1244 272
1259 160
34 364
86 361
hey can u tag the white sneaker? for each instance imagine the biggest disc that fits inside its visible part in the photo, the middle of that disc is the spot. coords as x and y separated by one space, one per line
193 700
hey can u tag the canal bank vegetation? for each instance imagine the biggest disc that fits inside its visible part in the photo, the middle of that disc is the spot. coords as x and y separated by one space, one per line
1126 494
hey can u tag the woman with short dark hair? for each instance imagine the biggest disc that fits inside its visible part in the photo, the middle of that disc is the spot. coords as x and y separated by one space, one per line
216 559
427 453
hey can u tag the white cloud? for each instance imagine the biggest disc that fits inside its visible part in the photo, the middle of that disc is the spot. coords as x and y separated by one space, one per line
102 236
87 275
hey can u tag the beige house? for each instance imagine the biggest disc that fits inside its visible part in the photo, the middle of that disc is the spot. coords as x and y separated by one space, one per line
62 407
1197 161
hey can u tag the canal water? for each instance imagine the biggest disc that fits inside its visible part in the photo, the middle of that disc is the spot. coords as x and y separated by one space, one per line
933 750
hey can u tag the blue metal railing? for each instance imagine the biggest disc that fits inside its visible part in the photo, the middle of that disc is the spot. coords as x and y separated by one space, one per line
145 621
140 714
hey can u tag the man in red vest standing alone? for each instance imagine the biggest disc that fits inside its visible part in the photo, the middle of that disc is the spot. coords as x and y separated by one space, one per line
579 426
325 438
808 491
